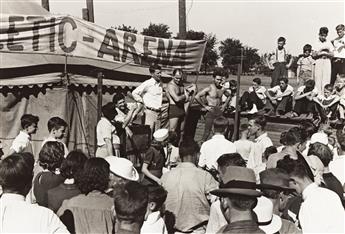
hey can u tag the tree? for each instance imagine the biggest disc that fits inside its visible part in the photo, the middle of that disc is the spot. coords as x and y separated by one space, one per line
211 55
230 51
126 28
157 30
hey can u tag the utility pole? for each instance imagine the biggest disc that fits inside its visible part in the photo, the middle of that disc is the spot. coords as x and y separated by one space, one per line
45 4
182 19
88 13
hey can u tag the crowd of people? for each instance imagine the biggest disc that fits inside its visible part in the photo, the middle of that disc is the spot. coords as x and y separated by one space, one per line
181 186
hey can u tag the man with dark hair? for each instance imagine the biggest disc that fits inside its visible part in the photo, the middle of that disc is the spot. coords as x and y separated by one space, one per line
149 95
130 202
255 98
274 184
17 215
304 103
321 210
338 63
238 198
213 95
279 61
261 142
188 190
212 149
279 98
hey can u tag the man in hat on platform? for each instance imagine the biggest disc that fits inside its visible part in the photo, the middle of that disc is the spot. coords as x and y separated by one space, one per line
121 172
274 184
154 159
238 198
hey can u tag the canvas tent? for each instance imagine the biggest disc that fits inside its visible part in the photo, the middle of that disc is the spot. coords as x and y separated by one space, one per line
48 65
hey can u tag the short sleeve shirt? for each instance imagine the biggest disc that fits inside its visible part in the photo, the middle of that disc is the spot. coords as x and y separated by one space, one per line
104 130
339 47
154 158
277 91
22 143
306 63
302 88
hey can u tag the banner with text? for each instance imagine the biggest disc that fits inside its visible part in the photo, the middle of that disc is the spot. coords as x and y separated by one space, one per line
71 36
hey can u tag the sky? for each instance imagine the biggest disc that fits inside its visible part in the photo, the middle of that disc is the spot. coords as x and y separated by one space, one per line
255 23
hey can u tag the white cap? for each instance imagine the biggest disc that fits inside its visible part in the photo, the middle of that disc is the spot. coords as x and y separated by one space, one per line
161 134
319 137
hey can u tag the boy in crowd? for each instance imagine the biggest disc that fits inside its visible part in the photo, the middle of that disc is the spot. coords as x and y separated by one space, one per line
22 142
327 103
279 62
230 100
243 145
338 65
154 222
304 100
306 65
57 128
322 53
255 98
279 98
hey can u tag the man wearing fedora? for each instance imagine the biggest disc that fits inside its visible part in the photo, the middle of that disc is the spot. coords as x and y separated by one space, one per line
274 184
238 196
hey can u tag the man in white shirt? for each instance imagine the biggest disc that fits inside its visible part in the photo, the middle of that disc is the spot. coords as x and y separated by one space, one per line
149 94
261 142
255 98
279 98
17 215
338 63
337 165
304 103
215 147
321 210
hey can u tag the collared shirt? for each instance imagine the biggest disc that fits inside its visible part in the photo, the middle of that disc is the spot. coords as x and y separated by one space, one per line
93 213
323 46
245 226
244 147
154 224
19 216
104 130
212 149
321 211
306 63
217 219
278 92
188 188
260 145
337 167
54 139
260 91
150 93
22 143
339 47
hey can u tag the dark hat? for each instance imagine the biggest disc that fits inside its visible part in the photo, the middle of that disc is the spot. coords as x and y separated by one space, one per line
275 179
238 180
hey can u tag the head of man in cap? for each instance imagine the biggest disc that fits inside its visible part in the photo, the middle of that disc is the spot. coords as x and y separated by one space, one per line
121 171
238 196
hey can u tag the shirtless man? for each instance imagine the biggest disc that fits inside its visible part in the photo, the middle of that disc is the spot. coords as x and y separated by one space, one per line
213 94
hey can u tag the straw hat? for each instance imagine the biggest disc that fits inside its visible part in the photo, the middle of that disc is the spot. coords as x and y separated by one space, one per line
123 168
268 222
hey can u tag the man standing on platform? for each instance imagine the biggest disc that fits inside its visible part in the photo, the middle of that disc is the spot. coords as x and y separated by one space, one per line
178 96
213 95
149 95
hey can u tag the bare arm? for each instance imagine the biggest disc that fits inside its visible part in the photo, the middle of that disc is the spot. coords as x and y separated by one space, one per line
299 95
200 94
148 174
109 145
269 95
173 94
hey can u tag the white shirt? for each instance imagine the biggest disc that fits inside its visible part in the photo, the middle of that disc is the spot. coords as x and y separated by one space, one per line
277 91
337 167
22 143
301 90
323 46
212 149
104 130
19 216
260 145
154 224
53 139
217 219
339 47
244 147
150 93
260 91
321 211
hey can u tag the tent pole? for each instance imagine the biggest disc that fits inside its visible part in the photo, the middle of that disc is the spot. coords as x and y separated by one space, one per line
237 112
99 103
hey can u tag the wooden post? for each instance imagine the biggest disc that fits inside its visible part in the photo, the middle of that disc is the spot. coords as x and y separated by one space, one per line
182 19
237 112
99 95
90 12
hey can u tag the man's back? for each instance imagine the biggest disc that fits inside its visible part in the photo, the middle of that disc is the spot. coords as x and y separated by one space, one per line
19 216
187 187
